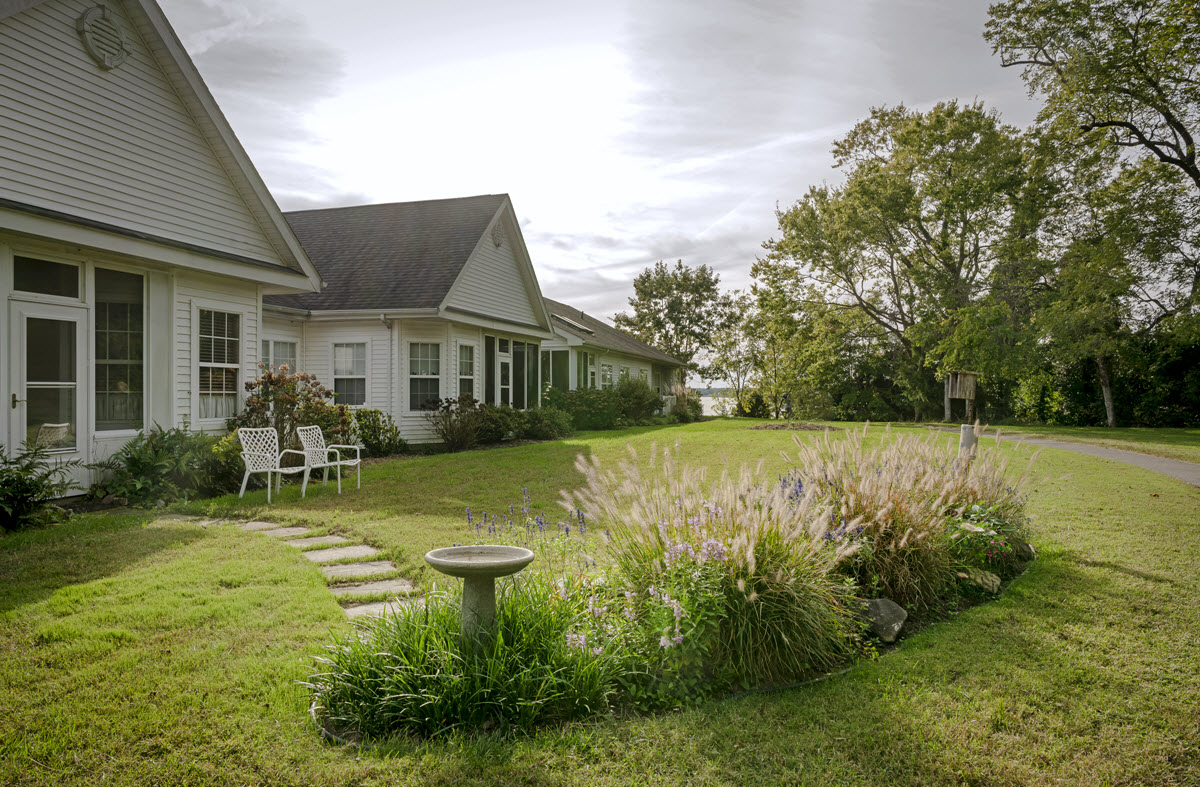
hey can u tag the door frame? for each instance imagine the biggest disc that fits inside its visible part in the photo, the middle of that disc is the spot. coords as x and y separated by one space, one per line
19 310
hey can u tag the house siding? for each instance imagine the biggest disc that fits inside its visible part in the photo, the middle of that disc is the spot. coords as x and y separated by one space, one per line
117 147
317 354
493 282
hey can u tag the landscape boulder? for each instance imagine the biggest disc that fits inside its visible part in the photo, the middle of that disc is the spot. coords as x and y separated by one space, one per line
1024 550
982 578
886 618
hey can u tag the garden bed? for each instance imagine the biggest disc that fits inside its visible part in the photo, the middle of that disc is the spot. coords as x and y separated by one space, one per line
658 592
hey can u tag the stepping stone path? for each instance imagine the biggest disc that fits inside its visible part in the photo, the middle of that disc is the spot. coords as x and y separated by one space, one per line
332 559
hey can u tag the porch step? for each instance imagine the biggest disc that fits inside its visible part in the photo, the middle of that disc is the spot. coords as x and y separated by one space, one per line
341 553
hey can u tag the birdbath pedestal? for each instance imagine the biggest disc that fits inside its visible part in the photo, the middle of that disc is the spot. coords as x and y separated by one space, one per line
479 566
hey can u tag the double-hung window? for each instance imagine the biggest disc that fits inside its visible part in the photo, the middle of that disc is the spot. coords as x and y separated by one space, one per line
424 375
220 338
606 376
466 370
276 353
350 373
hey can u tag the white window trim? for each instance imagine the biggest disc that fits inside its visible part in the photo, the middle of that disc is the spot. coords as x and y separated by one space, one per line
440 377
244 367
359 340
147 381
607 369
478 366
278 338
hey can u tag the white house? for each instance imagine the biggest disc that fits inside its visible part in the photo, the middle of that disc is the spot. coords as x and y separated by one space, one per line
436 299
146 271
136 238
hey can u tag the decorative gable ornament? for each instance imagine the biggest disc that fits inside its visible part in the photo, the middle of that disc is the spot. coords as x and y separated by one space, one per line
498 234
103 37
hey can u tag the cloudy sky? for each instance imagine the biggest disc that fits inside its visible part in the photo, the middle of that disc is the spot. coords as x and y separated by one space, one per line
625 132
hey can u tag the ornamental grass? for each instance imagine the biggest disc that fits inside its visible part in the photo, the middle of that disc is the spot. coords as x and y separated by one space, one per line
782 613
897 499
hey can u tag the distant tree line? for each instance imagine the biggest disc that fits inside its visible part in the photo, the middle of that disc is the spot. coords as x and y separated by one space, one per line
1061 262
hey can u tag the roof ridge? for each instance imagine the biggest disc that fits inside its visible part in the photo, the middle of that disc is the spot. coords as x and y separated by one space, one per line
393 203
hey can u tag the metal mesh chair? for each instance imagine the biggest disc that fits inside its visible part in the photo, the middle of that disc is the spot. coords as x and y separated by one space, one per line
318 455
260 452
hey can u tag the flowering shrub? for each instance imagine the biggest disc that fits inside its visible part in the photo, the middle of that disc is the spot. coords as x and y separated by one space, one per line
290 400
984 538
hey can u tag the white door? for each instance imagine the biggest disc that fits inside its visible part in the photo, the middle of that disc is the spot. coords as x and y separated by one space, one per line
48 403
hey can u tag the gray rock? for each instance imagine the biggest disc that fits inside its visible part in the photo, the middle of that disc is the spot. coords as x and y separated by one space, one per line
886 618
1024 550
982 578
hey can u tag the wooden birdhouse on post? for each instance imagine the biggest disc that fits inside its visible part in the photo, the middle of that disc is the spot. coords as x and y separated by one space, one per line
961 385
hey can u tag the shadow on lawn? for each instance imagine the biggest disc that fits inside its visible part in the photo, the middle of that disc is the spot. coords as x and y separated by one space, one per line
1038 666
35 564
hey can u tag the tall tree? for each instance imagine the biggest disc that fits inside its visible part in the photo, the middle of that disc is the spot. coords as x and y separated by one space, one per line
1125 69
677 310
732 351
928 212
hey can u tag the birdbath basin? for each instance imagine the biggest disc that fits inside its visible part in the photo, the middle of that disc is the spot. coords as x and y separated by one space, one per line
479 565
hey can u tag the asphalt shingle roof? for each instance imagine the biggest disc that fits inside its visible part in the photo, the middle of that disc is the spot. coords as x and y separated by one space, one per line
603 334
403 255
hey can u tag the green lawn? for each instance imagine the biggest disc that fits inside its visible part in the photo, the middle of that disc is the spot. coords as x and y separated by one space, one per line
135 650
1176 443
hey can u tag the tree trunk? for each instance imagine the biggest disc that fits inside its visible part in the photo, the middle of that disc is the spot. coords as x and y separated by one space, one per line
1106 389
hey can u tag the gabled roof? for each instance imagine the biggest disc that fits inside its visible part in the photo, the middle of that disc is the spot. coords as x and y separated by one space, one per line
403 255
169 54
596 332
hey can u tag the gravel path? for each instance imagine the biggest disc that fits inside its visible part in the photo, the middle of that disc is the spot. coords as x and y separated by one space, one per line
1184 471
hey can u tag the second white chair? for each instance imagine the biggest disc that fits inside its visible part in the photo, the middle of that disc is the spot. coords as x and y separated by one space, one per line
318 455
261 454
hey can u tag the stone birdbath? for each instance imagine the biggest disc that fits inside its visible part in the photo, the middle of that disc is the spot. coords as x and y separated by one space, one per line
479 566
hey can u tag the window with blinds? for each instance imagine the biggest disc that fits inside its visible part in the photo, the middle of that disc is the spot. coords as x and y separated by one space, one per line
219 359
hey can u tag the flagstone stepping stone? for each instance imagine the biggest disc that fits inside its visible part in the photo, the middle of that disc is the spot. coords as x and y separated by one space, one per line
364 569
180 518
257 525
341 553
286 533
380 608
398 586
313 541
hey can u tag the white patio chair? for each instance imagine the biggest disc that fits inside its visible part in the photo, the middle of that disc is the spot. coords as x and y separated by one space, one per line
50 435
260 452
317 455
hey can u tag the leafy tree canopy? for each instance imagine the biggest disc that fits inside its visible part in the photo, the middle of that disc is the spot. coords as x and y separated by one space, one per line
678 310
1126 69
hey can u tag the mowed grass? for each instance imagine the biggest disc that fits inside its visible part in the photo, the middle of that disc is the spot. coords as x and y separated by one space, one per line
138 651
1181 443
